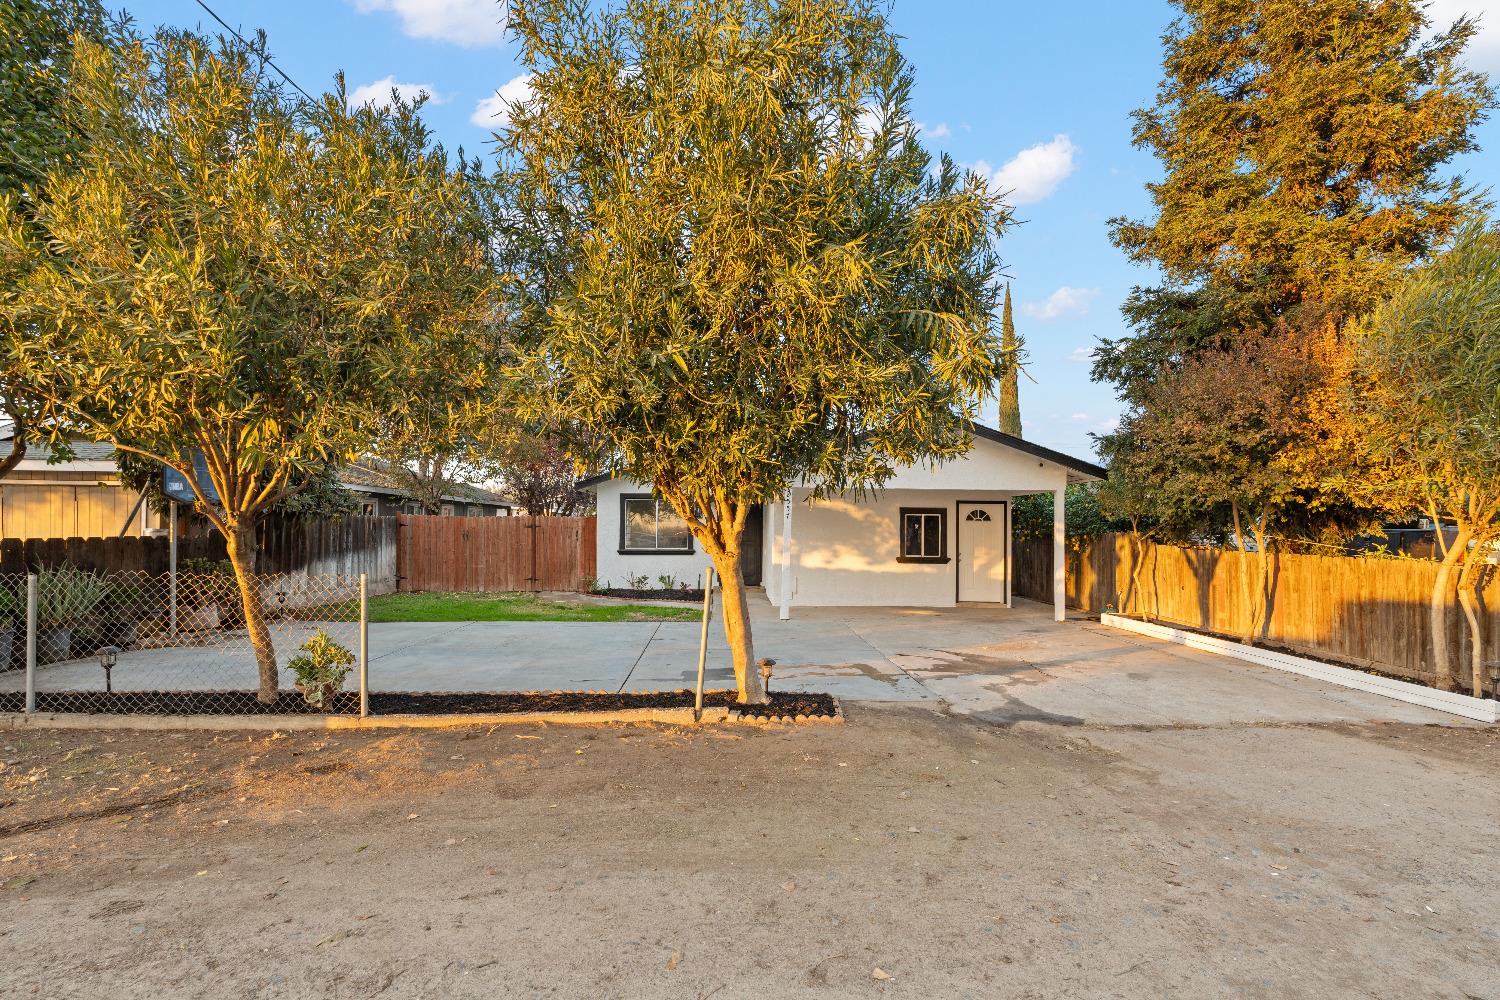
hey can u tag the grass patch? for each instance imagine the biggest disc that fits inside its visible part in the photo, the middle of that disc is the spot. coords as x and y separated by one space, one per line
513 608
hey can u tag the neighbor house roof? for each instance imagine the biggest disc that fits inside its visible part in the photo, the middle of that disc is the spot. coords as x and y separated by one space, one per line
372 475
1082 471
95 453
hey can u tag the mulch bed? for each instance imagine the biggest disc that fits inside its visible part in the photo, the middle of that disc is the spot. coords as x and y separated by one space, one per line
657 594
782 705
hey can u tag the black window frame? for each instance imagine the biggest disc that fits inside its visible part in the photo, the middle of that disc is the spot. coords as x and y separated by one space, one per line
625 498
942 515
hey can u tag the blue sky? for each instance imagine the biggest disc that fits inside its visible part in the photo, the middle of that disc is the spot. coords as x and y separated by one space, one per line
1038 95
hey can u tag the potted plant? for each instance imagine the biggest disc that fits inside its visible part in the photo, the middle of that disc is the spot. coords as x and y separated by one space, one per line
321 670
66 599
10 615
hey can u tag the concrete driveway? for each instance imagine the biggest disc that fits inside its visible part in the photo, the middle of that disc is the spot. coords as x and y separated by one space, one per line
997 664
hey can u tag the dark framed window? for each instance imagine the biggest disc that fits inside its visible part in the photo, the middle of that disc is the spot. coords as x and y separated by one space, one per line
649 525
924 535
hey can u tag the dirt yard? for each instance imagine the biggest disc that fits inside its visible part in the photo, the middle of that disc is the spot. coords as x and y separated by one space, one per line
907 853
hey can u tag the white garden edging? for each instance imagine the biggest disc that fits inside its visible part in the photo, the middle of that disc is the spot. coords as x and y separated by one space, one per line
1479 709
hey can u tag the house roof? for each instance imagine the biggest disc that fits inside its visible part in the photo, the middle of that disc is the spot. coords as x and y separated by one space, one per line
1079 470
83 451
372 475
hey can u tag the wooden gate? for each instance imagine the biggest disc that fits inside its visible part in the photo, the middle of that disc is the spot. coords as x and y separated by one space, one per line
494 554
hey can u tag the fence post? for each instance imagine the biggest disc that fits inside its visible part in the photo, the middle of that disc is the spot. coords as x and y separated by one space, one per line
708 607
31 630
364 646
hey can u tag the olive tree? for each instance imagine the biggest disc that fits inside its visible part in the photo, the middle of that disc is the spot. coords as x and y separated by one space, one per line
735 265
1430 366
239 272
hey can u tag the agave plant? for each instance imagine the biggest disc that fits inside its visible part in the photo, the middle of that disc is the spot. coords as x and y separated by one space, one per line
67 594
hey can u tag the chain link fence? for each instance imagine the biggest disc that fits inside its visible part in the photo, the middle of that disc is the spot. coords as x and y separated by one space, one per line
179 643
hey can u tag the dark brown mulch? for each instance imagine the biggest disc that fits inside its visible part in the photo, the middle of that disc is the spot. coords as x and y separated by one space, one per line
782 705
656 594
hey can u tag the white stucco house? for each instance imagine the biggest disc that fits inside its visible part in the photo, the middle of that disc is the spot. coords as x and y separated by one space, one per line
933 536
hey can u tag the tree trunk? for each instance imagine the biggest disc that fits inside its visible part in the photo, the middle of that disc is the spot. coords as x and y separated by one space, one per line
1466 599
17 442
752 688
1247 593
1262 609
240 543
1442 668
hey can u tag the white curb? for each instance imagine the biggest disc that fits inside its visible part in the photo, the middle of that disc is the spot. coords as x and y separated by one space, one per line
1479 709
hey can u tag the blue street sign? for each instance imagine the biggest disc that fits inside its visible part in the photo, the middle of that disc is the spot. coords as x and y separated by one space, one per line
178 488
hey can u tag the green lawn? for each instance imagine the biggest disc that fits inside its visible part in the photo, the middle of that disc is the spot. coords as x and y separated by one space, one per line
513 608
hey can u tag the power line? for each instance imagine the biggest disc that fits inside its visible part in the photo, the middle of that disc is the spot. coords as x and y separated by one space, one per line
267 58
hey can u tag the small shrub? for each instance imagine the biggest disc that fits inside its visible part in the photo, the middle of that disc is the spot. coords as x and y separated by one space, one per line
590 584
67 594
640 582
322 669
11 609
667 581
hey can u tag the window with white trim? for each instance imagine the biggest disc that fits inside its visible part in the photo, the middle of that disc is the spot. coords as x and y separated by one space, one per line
649 524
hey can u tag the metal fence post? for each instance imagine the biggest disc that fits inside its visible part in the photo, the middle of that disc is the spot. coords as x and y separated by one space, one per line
708 607
364 646
31 630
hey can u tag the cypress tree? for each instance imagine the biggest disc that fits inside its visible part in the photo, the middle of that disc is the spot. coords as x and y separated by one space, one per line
1010 388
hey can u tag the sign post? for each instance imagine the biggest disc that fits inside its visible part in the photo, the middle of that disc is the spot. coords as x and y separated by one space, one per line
179 490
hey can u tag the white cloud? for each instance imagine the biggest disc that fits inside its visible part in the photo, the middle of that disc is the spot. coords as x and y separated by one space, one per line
379 92
1483 52
1034 173
1081 417
470 23
1081 354
938 131
493 112
1066 301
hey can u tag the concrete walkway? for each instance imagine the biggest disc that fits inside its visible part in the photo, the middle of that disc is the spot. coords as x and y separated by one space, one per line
1001 665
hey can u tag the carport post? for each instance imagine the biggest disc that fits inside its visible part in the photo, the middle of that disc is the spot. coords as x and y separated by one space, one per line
31 627
1059 555
364 646
786 557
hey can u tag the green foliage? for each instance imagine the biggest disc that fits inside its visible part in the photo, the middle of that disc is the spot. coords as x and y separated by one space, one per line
1303 147
12 608
294 266
66 595
321 670
735 264
1010 382
1429 366
1031 516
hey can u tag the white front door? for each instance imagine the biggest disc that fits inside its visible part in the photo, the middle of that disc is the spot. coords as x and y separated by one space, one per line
981 552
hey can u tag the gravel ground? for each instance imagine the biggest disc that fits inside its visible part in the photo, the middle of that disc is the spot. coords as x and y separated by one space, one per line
906 853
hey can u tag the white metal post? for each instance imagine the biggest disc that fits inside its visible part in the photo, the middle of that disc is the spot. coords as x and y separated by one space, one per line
364 647
708 610
786 557
1059 556
172 572
31 630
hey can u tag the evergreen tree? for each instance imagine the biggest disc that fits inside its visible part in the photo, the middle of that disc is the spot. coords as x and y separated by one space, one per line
1010 388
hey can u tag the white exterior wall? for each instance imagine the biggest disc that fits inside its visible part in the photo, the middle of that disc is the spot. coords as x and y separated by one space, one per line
845 549
615 567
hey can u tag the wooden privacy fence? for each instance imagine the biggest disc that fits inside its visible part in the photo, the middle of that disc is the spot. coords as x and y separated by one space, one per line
1370 612
344 547
479 554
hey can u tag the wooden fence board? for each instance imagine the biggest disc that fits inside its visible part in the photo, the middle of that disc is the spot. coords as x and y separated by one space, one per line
495 554
1370 612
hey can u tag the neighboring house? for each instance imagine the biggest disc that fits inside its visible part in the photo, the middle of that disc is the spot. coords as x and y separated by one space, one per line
380 491
933 536
84 498
81 498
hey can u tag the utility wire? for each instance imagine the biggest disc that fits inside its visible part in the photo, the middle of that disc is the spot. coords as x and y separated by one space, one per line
267 58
